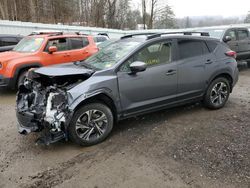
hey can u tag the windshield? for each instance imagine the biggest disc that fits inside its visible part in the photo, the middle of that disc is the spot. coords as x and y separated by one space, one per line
28 44
110 55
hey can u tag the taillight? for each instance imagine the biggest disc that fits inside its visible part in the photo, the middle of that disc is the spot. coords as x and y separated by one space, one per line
231 54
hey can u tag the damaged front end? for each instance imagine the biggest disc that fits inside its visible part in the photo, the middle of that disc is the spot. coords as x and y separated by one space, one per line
43 105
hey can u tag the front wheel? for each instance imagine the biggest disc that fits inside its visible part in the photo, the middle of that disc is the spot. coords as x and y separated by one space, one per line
91 124
21 78
217 94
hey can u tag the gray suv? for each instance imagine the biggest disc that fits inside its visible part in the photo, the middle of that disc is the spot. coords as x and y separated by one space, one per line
132 76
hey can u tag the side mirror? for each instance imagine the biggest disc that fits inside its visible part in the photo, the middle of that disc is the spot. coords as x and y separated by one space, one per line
137 66
227 39
52 49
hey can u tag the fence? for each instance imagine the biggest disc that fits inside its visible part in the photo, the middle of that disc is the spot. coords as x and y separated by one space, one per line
25 28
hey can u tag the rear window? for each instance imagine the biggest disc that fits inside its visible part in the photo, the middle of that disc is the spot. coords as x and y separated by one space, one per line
242 34
192 48
212 45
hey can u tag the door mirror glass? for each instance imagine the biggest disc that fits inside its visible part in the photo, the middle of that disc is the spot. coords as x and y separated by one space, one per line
137 66
227 39
52 49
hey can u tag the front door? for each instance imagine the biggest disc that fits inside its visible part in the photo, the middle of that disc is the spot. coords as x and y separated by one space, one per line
154 87
61 56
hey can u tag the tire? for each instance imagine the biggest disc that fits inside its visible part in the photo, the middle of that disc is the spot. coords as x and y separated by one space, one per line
21 78
217 94
85 130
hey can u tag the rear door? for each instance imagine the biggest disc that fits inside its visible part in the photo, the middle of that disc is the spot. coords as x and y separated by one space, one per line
156 86
79 48
244 43
194 56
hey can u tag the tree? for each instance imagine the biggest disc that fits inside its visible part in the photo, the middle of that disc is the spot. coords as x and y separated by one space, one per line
165 18
247 19
188 23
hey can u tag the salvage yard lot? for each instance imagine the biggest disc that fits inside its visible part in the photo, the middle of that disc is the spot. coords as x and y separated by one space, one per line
187 146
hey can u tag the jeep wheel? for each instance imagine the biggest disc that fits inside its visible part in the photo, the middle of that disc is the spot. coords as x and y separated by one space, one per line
91 124
217 94
21 78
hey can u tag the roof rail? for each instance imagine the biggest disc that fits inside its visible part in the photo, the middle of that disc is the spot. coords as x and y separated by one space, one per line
137 34
45 32
184 33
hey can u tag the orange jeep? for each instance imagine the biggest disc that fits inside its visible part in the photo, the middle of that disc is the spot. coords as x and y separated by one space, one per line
43 49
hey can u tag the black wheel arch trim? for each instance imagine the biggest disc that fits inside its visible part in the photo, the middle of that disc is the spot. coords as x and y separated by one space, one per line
19 70
115 103
221 72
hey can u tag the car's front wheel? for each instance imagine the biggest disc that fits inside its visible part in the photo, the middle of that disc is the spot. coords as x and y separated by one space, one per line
217 93
91 124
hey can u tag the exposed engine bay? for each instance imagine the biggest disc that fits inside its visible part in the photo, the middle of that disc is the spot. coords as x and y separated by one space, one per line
43 105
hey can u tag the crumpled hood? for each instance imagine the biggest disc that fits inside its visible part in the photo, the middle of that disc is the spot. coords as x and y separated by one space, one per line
67 69
11 55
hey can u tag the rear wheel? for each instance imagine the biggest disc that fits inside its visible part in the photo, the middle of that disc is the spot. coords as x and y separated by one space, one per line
91 124
217 94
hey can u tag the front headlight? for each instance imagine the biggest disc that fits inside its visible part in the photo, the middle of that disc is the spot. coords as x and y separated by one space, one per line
1 65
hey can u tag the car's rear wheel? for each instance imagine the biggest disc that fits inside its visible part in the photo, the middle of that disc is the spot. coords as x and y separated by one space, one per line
217 93
91 124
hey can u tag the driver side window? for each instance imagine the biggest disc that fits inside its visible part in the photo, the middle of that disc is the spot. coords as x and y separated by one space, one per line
232 34
60 43
152 55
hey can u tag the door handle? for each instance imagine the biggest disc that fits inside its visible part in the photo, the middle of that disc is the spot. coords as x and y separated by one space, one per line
209 61
66 55
171 72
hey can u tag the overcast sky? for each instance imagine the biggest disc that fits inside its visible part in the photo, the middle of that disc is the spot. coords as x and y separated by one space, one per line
226 8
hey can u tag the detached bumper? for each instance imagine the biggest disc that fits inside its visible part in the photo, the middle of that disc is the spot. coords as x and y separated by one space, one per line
26 123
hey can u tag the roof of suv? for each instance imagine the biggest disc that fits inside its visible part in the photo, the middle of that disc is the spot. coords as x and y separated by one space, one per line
157 36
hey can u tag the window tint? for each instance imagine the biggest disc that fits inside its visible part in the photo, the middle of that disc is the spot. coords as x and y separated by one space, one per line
242 34
212 45
192 48
76 43
152 55
8 41
232 34
85 41
60 43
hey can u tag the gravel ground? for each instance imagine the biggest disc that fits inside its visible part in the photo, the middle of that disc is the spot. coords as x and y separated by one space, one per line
187 146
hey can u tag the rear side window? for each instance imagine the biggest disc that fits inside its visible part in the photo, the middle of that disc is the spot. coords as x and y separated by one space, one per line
242 34
192 48
212 45
8 41
78 43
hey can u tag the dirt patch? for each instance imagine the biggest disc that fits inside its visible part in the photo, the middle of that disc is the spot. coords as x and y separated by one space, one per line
188 146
